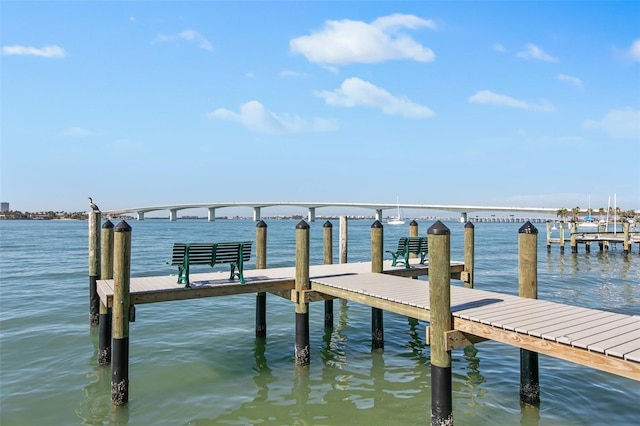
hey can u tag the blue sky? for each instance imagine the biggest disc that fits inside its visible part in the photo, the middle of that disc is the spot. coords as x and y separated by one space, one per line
136 103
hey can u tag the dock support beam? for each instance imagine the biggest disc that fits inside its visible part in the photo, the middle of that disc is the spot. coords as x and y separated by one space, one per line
302 353
469 243
94 266
261 263
528 287
344 231
440 311
211 214
121 305
327 234
311 214
106 273
256 214
377 250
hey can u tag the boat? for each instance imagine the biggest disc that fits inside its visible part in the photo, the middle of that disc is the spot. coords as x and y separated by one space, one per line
398 219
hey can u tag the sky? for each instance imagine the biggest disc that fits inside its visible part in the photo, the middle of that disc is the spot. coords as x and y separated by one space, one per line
144 103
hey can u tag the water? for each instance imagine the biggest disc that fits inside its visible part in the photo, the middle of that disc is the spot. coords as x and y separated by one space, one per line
198 362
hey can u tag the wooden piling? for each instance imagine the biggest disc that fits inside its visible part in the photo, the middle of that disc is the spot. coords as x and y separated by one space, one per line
573 228
377 251
327 234
440 312
302 353
343 239
469 244
120 315
261 263
528 287
548 236
626 242
94 266
413 232
561 236
106 273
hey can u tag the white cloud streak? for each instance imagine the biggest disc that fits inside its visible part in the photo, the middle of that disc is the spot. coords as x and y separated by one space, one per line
255 117
570 79
346 42
623 123
634 51
487 97
190 36
51 51
356 92
533 52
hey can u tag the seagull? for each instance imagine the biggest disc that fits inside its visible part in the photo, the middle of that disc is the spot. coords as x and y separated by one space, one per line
93 206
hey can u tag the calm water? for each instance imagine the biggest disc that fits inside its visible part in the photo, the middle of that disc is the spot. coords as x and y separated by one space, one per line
199 363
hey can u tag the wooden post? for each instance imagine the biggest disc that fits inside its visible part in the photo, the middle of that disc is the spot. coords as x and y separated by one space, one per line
377 251
261 263
327 239
440 312
413 232
343 239
626 242
561 236
121 304
94 266
573 228
528 287
302 353
469 244
548 236
106 273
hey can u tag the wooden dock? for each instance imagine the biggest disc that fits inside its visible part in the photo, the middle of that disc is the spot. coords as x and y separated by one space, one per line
598 339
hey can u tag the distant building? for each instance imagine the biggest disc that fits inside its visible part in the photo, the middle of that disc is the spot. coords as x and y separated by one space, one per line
4 207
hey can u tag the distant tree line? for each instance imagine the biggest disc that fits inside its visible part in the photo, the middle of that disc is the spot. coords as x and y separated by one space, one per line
18 215
602 212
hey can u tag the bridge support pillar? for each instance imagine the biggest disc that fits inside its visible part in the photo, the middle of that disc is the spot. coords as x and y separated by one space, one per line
256 214
378 214
173 214
463 217
140 215
211 215
311 215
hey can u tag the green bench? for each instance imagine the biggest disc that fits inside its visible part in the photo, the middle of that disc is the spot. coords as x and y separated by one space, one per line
407 246
233 253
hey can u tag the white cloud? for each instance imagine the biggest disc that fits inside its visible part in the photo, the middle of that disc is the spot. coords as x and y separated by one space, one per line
356 92
346 41
487 97
498 47
621 123
570 79
634 51
534 52
255 117
187 35
77 132
51 51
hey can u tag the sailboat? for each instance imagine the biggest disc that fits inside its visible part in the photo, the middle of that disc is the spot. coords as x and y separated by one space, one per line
398 219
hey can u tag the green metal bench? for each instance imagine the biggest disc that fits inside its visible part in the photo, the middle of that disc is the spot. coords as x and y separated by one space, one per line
407 246
233 253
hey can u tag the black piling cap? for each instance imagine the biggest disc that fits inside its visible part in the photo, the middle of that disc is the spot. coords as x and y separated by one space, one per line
377 224
413 223
302 225
123 227
438 228
469 225
528 228
327 224
107 225
261 224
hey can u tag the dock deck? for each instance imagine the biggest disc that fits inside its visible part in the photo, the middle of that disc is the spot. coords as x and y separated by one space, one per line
598 339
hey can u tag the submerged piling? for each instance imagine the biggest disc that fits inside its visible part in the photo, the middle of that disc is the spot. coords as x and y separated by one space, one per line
327 234
528 287
440 312
302 353
106 273
377 251
94 266
261 263
121 305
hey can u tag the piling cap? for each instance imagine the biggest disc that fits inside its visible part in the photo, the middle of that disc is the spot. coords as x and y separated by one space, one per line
327 224
376 224
123 227
302 225
438 228
413 223
107 225
261 224
469 225
528 228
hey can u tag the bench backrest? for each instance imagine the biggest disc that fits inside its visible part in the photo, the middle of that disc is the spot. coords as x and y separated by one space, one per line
232 252
200 253
402 244
413 245
177 256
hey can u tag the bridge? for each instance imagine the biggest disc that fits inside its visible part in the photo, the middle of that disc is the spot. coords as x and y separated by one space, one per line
312 206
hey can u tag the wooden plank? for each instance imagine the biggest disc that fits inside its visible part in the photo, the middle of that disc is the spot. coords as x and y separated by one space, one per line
560 315
623 349
616 337
581 321
587 328
594 334
633 356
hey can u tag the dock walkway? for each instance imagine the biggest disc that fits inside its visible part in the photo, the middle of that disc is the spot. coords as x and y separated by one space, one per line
598 339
